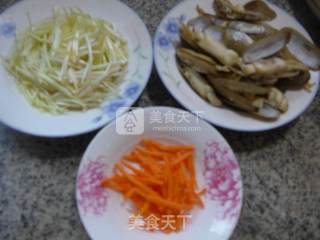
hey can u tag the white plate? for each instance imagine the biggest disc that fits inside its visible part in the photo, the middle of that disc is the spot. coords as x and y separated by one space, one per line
164 53
106 217
17 113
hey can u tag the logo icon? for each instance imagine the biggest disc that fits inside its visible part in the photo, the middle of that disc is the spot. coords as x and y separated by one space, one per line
131 122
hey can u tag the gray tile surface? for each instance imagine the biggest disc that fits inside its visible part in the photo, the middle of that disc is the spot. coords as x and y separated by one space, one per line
281 168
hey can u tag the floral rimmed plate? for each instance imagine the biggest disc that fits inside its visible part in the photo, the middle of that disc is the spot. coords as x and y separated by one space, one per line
17 113
104 213
167 37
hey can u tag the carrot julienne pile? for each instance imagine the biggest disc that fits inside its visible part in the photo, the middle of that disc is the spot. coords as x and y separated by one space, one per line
160 180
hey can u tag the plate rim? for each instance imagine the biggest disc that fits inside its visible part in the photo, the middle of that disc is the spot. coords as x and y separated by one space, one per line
217 123
106 121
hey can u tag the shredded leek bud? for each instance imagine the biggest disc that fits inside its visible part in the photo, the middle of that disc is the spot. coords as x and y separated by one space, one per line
71 62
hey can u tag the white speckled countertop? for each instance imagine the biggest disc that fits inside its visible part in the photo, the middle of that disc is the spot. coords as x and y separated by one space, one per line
280 169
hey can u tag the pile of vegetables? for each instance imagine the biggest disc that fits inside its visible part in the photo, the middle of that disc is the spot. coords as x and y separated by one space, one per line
160 180
71 62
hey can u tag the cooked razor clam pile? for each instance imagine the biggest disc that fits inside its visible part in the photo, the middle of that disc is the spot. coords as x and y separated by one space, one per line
235 58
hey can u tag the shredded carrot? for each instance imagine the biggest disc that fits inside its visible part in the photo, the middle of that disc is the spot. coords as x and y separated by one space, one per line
160 180
129 194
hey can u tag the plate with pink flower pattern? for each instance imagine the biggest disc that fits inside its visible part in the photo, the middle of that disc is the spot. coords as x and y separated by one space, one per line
105 214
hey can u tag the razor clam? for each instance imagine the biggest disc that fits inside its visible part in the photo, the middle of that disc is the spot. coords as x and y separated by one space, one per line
233 98
200 85
286 54
264 81
225 9
303 49
264 112
244 87
289 74
257 107
266 47
272 66
278 100
253 29
215 20
271 80
227 75
209 41
212 43
294 83
215 32
199 62
266 13
267 112
199 23
258 102
237 40
252 11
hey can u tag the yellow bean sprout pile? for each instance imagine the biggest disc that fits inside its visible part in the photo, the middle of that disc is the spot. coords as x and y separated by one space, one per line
71 62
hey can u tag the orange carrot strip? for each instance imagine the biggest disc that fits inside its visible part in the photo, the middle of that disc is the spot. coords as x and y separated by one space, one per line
191 167
202 192
114 186
138 201
150 181
131 158
162 202
105 183
138 172
137 183
144 160
159 179
144 208
201 203
181 157
170 181
130 167
166 178
168 148
129 194
157 155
